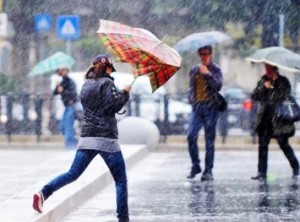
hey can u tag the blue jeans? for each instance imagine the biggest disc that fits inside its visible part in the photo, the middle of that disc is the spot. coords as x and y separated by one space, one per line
116 165
67 129
204 114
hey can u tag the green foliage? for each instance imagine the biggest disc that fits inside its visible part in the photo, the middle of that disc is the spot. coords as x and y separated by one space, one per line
91 45
7 84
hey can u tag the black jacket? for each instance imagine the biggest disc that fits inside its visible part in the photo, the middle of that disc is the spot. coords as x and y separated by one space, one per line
268 99
101 101
69 94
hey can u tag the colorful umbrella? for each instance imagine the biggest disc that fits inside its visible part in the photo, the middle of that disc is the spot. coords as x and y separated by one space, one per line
277 56
52 63
197 40
143 50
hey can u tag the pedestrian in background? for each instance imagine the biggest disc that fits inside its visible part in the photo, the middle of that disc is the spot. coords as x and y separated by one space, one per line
271 89
205 82
67 89
99 135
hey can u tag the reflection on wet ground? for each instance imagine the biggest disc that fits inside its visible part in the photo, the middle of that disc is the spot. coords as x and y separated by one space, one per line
158 191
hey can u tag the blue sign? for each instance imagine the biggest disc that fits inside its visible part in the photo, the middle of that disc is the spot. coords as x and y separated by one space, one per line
68 27
42 22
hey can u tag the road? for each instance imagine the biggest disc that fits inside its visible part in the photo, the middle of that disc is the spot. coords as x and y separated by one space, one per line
159 192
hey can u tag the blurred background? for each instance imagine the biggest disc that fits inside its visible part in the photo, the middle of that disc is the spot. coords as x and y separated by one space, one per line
32 30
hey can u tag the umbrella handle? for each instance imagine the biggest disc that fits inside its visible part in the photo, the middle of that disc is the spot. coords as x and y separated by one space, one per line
164 38
133 81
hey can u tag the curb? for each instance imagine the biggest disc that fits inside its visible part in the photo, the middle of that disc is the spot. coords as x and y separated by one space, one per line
83 193
230 140
32 146
175 147
18 207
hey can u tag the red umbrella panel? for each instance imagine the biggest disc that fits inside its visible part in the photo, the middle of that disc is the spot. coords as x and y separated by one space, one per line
143 50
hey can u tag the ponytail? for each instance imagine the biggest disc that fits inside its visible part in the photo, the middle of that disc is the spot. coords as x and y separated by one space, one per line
90 69
101 72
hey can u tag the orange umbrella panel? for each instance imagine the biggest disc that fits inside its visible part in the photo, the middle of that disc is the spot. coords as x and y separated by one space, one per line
139 47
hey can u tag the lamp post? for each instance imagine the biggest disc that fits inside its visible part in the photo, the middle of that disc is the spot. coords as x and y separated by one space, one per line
281 30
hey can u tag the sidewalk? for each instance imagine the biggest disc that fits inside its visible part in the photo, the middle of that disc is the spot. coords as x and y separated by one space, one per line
238 142
24 172
168 143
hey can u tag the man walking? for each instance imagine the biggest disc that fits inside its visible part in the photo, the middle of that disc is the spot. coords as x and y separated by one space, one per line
67 90
205 82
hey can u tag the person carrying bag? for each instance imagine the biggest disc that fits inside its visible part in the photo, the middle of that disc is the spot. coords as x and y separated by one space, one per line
271 92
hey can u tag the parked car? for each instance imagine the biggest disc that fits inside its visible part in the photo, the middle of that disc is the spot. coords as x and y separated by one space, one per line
142 103
151 106
235 98
240 112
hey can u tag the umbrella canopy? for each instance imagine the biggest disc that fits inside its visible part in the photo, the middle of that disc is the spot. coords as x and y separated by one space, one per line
143 50
52 63
197 40
277 56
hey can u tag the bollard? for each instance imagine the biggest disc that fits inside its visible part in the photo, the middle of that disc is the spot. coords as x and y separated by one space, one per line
223 125
165 130
25 103
137 101
8 125
128 107
38 122
53 124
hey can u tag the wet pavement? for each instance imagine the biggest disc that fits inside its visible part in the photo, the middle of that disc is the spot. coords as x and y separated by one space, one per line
159 192
20 169
24 171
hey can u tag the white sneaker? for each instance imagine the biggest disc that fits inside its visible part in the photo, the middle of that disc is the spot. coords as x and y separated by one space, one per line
38 201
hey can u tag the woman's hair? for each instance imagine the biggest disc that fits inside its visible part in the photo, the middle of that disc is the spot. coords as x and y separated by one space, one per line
96 75
275 68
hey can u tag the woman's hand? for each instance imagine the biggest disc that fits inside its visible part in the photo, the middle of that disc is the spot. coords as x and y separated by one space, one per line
268 84
127 88
59 89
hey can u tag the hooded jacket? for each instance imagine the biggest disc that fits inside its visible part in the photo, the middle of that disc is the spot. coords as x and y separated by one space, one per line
101 101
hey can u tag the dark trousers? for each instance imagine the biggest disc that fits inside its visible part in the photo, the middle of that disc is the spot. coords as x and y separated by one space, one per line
116 165
204 114
263 148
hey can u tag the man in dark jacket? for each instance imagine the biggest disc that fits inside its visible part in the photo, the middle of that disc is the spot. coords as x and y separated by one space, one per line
271 89
67 90
205 82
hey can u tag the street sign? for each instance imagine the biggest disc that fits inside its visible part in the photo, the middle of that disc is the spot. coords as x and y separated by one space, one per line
42 22
68 27
3 25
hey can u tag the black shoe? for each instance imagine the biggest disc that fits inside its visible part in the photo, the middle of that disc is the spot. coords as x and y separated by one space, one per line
207 176
194 171
259 176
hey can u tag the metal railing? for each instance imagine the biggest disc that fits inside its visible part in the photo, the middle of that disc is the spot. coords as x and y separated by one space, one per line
22 114
30 114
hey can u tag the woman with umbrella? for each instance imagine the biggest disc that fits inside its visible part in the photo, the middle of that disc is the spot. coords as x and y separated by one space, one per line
271 89
101 101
